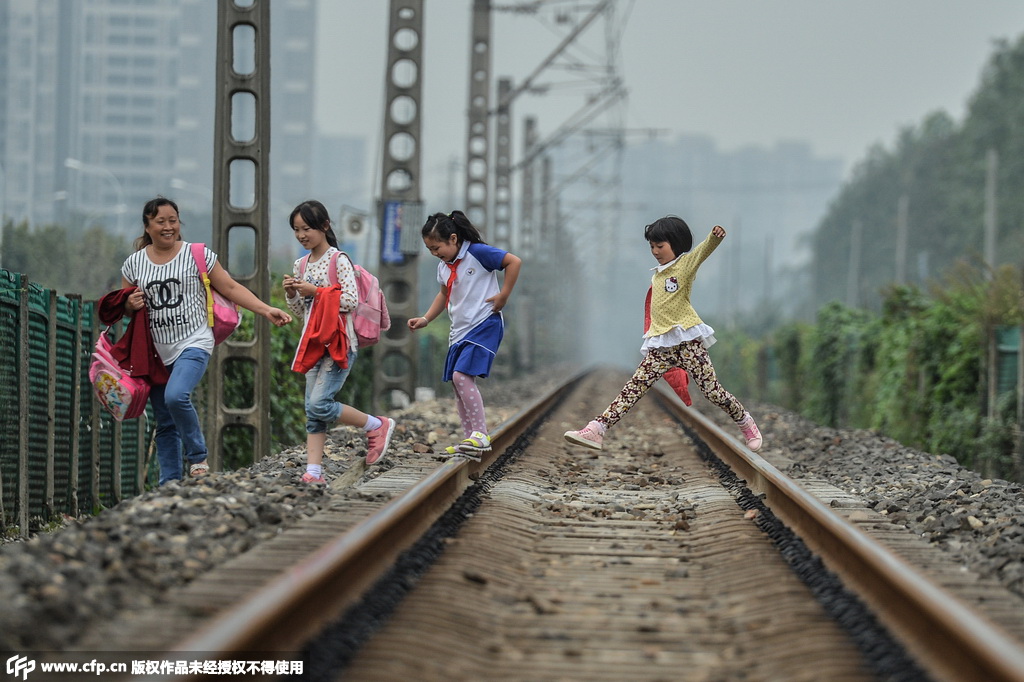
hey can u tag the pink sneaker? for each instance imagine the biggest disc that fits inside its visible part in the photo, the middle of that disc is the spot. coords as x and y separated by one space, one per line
379 439
751 432
310 478
589 436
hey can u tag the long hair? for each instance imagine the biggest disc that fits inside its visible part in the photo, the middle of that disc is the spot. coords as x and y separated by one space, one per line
315 215
150 211
441 226
671 229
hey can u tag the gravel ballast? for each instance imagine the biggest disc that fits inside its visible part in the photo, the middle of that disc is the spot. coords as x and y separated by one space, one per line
128 557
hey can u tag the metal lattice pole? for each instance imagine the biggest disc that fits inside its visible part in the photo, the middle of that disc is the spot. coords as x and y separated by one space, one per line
400 209
478 142
243 80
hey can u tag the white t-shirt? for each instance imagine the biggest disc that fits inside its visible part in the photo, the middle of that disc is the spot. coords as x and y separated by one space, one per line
175 300
476 280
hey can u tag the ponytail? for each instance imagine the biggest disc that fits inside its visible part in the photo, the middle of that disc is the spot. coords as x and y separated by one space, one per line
441 226
331 238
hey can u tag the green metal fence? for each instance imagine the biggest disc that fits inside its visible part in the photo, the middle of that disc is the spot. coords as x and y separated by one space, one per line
60 451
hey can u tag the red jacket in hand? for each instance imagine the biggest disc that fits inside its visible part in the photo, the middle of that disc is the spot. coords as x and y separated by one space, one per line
323 331
676 377
134 351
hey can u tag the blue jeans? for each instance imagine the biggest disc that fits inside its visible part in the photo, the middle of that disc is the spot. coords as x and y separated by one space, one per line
323 381
177 423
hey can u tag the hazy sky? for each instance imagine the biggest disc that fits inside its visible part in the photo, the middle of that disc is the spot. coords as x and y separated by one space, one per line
841 74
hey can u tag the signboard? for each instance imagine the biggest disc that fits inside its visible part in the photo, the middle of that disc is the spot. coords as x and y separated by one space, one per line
391 233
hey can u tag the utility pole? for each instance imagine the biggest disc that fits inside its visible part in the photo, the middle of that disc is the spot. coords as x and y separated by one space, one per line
853 270
395 361
527 223
243 33
991 215
479 140
902 211
501 235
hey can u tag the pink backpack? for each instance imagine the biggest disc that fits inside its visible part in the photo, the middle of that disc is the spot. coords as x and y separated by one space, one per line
371 316
123 395
221 313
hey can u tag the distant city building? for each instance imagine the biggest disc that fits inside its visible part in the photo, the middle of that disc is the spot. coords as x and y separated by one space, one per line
91 100
107 103
779 193
769 200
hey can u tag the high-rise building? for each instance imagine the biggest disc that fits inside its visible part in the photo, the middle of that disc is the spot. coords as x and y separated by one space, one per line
91 108
105 104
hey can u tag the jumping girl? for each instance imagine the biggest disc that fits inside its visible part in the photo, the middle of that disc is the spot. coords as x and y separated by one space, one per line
677 337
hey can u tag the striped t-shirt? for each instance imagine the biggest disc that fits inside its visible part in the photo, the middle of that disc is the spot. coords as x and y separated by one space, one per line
175 296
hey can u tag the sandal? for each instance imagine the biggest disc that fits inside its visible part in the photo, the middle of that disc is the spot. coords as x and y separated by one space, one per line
477 442
453 451
197 470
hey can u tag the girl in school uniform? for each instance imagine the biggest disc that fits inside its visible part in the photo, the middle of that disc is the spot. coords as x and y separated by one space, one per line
470 291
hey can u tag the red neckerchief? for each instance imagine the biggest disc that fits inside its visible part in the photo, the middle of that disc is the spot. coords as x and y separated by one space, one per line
451 280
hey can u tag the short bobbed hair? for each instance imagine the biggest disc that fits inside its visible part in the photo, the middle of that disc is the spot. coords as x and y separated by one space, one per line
671 229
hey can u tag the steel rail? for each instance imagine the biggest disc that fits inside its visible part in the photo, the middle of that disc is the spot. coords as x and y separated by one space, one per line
945 636
278 617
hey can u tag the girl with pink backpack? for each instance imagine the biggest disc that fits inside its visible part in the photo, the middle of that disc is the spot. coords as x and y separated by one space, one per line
329 343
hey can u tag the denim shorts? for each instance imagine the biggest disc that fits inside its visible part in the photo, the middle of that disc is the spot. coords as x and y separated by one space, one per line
323 381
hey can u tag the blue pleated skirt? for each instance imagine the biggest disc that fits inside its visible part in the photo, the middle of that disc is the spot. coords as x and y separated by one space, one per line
474 353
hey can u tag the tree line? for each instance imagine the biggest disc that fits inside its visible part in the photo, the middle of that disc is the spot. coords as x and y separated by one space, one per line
924 350
919 371
86 262
938 171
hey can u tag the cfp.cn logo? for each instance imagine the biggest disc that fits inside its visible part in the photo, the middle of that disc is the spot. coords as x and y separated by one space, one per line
20 666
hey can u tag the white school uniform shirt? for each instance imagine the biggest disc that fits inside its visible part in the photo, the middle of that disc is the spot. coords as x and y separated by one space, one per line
476 280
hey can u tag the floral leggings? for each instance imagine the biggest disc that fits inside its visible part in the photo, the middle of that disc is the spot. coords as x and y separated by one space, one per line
691 356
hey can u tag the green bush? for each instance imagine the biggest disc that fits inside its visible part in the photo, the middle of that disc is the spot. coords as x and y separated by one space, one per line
915 373
833 363
787 380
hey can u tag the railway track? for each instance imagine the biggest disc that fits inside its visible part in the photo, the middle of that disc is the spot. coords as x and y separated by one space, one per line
635 562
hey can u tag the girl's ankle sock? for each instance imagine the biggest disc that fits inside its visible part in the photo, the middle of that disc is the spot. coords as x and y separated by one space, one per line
316 470
372 423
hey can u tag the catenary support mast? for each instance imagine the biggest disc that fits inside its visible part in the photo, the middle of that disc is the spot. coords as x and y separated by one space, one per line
241 183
